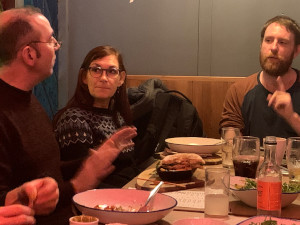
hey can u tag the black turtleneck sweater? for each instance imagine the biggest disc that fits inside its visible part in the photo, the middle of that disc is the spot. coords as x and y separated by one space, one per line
29 150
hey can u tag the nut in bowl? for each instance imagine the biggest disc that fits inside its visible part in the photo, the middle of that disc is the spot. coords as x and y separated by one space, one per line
245 190
83 220
122 205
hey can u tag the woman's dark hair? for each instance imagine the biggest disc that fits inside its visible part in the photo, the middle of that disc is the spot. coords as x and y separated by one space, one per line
82 98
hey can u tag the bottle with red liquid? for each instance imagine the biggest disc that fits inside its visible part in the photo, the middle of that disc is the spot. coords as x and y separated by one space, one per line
269 182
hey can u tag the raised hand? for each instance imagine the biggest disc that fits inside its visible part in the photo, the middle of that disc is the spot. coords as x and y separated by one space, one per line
99 163
119 141
281 101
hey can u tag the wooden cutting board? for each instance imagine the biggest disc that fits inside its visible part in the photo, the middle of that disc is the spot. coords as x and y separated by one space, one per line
148 179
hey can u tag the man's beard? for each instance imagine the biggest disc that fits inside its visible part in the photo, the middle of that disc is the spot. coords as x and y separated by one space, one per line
275 68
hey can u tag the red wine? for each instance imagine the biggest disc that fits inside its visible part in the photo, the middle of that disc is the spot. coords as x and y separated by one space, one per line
245 166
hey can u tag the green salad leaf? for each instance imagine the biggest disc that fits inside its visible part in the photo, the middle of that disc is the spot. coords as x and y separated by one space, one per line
290 188
286 187
249 184
268 221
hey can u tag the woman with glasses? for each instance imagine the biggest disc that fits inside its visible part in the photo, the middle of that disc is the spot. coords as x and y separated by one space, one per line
98 109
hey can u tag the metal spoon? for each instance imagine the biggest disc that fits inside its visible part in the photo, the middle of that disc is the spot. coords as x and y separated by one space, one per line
151 195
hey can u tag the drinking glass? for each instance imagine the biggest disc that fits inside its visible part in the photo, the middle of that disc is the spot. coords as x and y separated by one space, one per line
245 155
227 135
217 182
293 159
280 149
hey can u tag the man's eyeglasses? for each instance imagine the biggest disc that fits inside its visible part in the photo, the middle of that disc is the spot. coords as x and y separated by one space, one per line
53 42
97 71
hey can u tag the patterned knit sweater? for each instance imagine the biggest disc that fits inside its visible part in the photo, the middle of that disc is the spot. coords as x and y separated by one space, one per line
78 130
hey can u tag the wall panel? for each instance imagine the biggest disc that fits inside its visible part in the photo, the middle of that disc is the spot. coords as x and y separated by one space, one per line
163 37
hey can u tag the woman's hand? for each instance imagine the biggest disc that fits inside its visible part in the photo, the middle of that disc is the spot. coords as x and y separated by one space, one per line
99 164
120 140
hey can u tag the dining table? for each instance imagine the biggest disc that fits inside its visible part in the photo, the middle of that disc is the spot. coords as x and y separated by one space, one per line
238 211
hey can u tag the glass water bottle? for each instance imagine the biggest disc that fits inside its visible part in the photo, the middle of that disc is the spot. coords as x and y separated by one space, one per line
269 182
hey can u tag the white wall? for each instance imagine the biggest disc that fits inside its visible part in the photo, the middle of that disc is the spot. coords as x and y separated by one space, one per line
19 3
177 37
63 55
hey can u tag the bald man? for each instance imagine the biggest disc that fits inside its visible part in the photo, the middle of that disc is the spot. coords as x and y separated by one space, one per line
28 148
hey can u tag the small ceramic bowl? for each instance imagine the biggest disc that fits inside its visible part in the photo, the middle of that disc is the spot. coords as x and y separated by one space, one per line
83 220
175 175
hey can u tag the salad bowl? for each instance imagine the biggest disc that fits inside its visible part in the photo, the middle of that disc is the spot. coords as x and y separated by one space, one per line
245 190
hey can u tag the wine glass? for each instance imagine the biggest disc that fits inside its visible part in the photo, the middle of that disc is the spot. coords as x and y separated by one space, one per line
227 135
293 159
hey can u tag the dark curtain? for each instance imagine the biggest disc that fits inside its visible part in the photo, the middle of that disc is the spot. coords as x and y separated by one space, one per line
47 91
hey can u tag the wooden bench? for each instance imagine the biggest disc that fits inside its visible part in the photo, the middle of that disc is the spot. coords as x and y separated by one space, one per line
206 93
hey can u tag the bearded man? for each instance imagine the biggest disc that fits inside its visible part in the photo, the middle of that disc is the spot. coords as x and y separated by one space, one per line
268 102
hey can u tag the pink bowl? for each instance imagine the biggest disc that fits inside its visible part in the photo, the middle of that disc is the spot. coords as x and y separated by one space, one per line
86 201
260 219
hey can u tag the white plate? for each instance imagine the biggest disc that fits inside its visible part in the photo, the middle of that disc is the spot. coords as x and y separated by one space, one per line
194 145
199 221
260 219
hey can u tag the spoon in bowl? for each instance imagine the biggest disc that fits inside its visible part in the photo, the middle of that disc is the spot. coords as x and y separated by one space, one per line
151 195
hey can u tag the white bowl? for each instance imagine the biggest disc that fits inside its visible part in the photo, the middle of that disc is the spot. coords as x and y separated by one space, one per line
194 145
86 201
249 197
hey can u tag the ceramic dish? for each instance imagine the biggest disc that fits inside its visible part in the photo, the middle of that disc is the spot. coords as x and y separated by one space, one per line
127 198
194 145
249 197
260 219
175 175
199 221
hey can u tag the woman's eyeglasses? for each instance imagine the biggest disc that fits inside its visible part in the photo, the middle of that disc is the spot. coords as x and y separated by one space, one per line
97 71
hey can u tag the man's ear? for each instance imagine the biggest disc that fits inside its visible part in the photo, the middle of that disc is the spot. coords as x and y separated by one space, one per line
29 55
